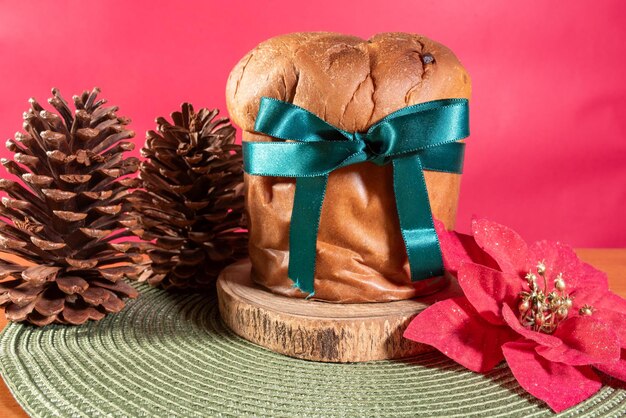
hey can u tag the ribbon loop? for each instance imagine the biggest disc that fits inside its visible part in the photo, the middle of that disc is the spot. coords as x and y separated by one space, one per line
415 138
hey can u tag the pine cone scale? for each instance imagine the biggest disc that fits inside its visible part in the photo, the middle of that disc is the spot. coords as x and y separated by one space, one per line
72 284
50 306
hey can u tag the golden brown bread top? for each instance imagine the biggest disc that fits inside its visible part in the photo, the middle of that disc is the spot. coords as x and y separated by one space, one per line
349 82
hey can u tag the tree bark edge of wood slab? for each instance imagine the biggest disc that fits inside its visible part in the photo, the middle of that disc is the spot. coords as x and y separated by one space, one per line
319 331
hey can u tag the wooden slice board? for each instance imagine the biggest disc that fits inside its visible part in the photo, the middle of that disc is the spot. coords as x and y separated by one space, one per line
319 331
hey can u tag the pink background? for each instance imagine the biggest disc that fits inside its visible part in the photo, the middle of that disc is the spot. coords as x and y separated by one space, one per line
547 154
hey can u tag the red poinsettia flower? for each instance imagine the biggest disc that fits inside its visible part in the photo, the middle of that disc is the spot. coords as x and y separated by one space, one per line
540 308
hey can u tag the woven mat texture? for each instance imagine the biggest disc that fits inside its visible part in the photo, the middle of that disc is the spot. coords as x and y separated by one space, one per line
170 355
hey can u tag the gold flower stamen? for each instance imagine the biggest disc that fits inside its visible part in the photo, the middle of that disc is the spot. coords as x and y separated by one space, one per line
542 311
586 310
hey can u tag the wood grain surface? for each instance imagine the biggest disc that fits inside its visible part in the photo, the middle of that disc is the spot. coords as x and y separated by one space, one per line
612 261
319 331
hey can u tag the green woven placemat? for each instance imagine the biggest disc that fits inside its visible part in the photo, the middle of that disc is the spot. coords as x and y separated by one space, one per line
170 355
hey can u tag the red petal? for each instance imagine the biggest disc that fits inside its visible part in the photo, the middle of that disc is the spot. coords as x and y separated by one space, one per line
453 327
612 302
615 320
586 296
458 248
585 341
560 258
559 385
617 369
503 244
488 289
538 337
591 277
608 308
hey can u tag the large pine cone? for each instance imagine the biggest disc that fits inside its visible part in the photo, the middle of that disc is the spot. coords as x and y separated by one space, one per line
65 219
192 208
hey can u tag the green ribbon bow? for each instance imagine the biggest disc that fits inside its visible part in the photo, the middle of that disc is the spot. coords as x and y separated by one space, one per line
413 139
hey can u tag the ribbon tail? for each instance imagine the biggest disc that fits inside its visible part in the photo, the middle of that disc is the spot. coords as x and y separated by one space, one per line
416 222
305 220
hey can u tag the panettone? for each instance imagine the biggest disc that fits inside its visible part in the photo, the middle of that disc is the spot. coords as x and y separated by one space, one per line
350 83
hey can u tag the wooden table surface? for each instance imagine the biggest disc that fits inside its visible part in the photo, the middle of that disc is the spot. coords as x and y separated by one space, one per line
612 261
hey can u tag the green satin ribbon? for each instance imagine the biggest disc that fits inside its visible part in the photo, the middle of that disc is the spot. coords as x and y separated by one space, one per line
413 139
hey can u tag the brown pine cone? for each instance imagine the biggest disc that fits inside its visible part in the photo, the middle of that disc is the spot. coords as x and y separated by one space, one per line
192 206
66 215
